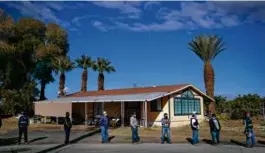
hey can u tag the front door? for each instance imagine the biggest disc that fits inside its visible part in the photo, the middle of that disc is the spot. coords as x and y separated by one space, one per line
130 108
98 109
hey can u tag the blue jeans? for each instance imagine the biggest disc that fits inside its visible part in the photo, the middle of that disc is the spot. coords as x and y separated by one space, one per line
215 136
195 136
104 134
67 135
165 132
251 139
135 136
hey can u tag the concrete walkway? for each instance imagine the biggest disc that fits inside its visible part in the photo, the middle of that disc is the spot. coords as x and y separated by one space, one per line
139 148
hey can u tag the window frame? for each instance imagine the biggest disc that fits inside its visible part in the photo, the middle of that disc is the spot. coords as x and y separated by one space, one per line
155 102
188 100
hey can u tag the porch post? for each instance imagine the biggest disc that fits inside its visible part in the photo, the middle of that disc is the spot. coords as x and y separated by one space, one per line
122 114
85 113
145 114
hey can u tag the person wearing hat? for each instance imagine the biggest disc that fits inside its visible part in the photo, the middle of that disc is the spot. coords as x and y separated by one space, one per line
250 135
134 127
165 129
103 122
23 123
67 127
195 128
215 128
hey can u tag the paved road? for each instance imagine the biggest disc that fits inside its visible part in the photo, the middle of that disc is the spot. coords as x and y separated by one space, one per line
140 148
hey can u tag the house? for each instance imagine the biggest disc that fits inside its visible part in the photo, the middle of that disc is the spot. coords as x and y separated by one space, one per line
150 103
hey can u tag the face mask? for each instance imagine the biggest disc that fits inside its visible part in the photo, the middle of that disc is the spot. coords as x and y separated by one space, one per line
134 115
166 117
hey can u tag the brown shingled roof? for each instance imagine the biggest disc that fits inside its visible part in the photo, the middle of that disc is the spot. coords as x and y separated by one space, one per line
126 91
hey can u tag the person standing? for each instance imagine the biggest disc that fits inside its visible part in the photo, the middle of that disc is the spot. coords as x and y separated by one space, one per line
250 135
67 127
165 129
23 123
134 128
215 128
195 129
0 121
103 122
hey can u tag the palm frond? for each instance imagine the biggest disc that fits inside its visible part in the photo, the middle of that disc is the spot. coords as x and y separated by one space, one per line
207 47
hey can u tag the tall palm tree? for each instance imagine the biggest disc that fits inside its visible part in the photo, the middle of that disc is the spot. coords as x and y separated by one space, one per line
84 62
207 47
63 64
102 65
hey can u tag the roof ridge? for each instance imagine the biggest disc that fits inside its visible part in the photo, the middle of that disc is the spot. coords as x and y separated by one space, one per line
158 86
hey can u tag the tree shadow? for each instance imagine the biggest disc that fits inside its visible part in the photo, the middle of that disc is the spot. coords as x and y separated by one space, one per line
15 150
189 140
14 140
8 141
71 142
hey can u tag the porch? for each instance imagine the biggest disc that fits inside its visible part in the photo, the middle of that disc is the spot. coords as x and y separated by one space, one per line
121 110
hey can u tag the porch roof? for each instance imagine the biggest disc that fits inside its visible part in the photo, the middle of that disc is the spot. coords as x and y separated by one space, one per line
108 98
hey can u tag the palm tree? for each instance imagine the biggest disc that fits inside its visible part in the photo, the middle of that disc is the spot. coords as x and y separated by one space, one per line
102 65
207 48
43 73
84 62
63 64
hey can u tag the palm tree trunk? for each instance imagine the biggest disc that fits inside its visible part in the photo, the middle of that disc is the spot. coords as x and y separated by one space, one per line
61 84
209 83
42 90
100 81
84 81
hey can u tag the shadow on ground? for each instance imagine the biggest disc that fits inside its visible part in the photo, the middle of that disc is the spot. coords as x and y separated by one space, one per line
207 141
71 142
189 140
16 150
14 140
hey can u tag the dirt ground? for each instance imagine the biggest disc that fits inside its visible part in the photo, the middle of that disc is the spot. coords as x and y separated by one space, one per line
12 124
231 131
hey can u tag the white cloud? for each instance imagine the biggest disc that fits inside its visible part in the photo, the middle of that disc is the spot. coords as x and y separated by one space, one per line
131 8
45 11
99 25
151 4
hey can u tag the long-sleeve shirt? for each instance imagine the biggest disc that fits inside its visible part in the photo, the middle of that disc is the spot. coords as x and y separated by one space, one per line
133 122
67 122
23 121
103 121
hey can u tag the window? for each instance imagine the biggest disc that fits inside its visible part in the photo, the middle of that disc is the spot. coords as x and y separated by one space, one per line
156 105
186 104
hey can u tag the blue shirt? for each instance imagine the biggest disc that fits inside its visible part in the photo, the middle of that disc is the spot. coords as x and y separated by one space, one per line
23 121
103 121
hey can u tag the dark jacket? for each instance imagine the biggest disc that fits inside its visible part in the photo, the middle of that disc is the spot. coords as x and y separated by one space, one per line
213 126
248 124
104 121
67 122
23 121
194 124
0 122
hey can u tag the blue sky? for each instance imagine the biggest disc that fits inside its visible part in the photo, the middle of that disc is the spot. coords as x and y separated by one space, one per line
147 41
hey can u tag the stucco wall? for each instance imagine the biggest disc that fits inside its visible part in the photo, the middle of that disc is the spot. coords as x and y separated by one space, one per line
52 109
176 121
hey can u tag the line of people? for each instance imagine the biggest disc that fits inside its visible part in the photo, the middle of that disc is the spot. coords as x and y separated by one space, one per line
214 124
